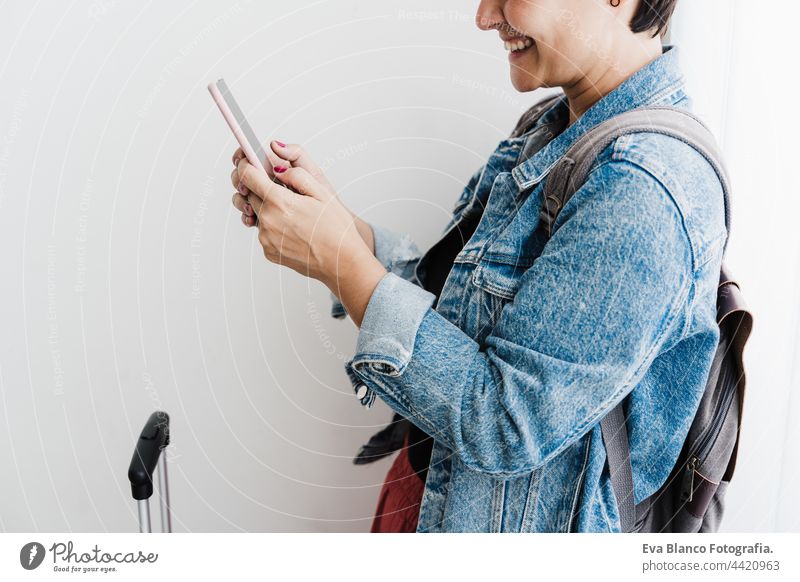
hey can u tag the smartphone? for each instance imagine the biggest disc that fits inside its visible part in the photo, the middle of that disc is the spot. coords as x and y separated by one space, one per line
242 131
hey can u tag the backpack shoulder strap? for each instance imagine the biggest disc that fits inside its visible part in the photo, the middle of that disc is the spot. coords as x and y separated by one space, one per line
572 170
564 180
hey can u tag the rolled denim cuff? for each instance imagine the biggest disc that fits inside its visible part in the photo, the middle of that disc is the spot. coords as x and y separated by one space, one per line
388 331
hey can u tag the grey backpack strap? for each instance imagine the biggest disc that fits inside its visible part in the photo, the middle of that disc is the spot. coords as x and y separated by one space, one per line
564 180
618 453
571 171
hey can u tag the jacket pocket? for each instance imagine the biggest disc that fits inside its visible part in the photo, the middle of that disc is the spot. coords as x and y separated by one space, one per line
500 277
494 285
505 259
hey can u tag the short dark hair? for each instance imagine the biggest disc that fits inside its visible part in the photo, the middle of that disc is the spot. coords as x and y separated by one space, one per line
653 14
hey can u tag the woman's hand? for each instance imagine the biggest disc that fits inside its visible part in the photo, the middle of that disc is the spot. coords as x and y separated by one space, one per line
290 156
304 226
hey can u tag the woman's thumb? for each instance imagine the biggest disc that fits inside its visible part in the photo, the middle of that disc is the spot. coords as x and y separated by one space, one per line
299 180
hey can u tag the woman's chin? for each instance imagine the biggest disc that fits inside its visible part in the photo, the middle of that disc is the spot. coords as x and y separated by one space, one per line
525 73
524 81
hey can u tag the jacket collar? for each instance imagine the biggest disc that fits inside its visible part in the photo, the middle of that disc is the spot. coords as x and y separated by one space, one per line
660 81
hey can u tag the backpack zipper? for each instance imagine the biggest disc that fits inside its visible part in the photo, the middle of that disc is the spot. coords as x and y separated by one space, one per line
688 479
704 446
705 442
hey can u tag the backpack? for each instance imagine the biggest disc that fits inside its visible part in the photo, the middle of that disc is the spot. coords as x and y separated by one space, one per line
692 498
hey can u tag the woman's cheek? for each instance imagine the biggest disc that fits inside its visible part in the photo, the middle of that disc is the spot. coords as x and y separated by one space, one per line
534 19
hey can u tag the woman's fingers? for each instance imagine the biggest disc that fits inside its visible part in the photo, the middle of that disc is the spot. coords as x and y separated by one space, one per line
298 158
302 182
237 182
259 185
285 157
271 161
237 155
255 203
242 205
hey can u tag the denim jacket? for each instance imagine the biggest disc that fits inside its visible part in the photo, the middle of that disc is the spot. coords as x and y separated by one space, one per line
530 344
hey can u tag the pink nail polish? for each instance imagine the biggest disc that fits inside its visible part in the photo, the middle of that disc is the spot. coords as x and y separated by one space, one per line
279 169
280 143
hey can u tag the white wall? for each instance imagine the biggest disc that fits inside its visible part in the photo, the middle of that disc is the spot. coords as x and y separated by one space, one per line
115 204
738 67
129 283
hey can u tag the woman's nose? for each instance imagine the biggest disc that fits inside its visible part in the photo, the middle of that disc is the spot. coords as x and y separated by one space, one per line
489 15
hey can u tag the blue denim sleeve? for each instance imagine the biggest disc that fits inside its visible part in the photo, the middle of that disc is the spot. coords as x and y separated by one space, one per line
590 314
396 252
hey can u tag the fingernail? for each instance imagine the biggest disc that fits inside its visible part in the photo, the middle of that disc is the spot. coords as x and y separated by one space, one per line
248 209
279 169
280 143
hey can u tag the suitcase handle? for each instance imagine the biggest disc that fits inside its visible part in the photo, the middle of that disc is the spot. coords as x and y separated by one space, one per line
152 440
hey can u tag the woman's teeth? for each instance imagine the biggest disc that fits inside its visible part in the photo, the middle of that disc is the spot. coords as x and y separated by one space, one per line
518 45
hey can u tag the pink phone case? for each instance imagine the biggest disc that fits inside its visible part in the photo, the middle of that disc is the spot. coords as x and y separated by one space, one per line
248 148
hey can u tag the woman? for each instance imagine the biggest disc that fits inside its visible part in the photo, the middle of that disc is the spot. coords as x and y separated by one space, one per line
529 344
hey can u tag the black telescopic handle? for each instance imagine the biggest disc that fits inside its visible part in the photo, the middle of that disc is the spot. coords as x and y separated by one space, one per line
154 437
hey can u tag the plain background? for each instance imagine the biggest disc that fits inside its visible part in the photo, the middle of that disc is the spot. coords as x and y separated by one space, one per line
129 283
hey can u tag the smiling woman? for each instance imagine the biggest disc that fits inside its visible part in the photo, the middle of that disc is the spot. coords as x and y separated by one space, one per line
586 48
508 341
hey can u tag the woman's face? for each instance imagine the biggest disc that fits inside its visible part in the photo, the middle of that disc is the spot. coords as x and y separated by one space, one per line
563 41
